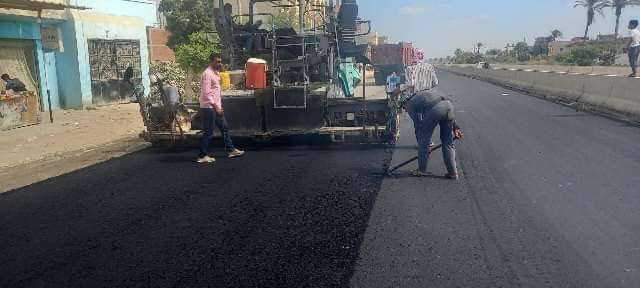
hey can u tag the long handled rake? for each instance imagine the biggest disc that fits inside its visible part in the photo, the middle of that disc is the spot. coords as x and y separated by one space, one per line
405 163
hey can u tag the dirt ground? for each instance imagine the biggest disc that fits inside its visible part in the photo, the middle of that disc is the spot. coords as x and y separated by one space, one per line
71 131
75 140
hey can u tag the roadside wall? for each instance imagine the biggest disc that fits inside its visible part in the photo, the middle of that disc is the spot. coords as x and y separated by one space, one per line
158 49
600 92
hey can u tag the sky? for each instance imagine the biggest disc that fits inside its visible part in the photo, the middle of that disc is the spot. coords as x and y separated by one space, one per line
441 26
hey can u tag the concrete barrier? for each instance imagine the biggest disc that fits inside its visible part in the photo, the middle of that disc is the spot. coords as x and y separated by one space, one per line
611 94
610 71
597 89
625 96
554 68
581 69
598 70
494 75
523 80
509 77
566 87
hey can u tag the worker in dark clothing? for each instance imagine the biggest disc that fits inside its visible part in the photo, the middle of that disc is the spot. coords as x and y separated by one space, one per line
429 109
13 83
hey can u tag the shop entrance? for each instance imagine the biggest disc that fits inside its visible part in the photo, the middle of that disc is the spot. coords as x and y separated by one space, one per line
17 107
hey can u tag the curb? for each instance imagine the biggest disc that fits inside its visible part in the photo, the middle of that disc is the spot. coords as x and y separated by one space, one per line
14 177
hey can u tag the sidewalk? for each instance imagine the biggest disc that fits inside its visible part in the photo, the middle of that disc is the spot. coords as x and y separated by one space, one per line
73 133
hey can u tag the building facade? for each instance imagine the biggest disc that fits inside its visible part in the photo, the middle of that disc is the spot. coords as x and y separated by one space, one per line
24 57
559 48
99 42
158 39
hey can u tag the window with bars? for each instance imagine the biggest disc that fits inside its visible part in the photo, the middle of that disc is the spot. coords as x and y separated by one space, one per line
109 59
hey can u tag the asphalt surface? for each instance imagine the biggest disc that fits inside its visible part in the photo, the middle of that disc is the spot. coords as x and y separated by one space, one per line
279 217
549 198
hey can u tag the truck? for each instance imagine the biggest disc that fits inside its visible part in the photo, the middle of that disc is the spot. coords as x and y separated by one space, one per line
310 68
389 58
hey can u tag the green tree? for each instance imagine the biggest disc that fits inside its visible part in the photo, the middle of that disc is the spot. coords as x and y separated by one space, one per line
619 5
493 52
195 53
541 46
286 18
522 51
185 17
555 34
479 45
458 53
593 7
462 57
583 56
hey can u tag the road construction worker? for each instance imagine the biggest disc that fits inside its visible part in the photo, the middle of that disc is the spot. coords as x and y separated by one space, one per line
212 112
633 47
393 83
428 108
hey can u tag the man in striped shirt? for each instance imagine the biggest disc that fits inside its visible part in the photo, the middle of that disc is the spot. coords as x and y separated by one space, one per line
421 76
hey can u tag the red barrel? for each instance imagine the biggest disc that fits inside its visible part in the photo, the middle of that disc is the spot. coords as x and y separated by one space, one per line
256 77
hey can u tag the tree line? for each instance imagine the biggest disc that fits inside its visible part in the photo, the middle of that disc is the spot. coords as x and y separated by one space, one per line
601 52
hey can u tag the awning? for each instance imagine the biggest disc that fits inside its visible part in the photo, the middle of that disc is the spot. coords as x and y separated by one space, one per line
37 5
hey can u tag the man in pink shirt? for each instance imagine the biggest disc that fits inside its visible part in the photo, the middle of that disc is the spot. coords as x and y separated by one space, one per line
212 112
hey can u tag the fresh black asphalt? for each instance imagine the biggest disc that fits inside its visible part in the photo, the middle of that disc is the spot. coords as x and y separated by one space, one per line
280 217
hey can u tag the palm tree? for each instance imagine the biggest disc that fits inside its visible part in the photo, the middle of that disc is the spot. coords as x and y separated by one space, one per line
619 5
458 53
555 34
592 6
479 45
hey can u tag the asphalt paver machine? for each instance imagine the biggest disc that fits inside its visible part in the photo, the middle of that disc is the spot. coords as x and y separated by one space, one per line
313 60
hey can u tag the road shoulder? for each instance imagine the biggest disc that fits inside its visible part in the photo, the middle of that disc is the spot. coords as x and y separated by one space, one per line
60 164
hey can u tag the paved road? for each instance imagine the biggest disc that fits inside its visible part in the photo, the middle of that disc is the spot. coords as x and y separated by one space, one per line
549 198
280 217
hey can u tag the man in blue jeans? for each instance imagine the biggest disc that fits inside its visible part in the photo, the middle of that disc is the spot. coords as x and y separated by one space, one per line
633 46
212 112
428 110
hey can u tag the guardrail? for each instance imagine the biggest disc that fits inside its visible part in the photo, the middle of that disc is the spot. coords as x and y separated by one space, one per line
602 92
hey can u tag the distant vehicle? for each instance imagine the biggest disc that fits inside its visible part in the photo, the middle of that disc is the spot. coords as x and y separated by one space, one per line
389 58
483 65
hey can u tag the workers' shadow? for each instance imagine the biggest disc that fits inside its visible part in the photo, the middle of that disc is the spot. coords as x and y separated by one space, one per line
409 174
406 147
178 158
